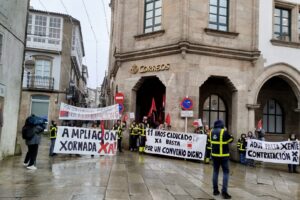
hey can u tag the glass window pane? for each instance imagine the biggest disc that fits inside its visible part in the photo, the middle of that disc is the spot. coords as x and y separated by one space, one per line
223 3
276 29
149 22
285 13
158 4
221 105
278 124
278 109
149 14
266 109
149 6
272 123
206 104
213 9
265 122
213 2
271 107
223 20
223 28
40 108
158 12
157 20
213 117
285 30
148 30
213 26
213 18
223 11
277 20
222 116
285 22
157 28
205 117
214 102
277 12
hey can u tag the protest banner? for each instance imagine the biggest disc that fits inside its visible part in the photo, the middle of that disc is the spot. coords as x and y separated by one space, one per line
176 144
286 152
85 141
68 112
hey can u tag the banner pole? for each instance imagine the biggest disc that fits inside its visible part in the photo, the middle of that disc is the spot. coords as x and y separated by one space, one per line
185 125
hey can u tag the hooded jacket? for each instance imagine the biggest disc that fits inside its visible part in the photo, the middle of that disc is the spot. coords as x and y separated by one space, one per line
220 140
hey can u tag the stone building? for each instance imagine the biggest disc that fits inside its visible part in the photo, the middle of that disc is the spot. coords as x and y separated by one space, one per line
13 16
53 71
236 60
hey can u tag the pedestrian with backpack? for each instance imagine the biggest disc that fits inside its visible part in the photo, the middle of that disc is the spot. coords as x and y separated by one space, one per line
31 132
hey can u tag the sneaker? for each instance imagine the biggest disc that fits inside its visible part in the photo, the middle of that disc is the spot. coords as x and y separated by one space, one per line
25 164
32 167
216 193
226 195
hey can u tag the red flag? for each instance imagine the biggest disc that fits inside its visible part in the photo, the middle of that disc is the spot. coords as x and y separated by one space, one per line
153 108
259 124
168 119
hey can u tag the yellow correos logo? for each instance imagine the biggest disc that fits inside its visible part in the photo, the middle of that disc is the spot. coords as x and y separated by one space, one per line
134 69
153 68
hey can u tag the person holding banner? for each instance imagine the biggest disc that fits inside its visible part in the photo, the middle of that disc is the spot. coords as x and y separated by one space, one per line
208 145
118 127
142 141
241 146
134 134
53 134
293 168
220 139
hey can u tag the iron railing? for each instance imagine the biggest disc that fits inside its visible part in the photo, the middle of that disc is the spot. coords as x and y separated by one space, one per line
39 82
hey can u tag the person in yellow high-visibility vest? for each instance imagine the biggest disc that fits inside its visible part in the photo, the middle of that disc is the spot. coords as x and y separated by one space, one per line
208 145
118 127
220 139
134 134
142 141
53 134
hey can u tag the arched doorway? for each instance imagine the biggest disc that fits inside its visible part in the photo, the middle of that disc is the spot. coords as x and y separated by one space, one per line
277 107
149 88
215 101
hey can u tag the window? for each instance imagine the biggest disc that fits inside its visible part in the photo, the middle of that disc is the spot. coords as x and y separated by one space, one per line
153 13
272 117
1 45
29 27
42 68
40 28
218 15
54 30
213 109
282 24
40 105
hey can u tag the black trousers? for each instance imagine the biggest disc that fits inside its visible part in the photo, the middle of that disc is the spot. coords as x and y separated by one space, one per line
31 154
133 140
120 144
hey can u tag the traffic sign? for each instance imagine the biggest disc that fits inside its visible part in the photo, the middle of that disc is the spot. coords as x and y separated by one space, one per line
119 98
121 108
186 104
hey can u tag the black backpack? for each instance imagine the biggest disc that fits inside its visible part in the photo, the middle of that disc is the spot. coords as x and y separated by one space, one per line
27 132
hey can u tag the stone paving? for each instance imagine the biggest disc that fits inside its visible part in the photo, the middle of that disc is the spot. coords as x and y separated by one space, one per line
139 177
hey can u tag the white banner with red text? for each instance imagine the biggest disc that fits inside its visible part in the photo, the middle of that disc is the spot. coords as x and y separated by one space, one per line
85 141
68 112
176 144
286 152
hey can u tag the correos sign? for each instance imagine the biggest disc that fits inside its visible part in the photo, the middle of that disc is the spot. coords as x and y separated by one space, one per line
152 68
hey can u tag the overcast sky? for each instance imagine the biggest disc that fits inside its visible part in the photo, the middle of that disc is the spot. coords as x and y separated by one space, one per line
95 10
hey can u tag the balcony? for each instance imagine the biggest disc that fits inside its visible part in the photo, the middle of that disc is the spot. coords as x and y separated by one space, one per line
38 82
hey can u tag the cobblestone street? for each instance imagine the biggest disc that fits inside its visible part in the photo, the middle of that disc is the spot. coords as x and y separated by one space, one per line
132 176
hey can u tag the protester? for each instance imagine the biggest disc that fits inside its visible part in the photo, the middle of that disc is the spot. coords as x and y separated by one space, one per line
53 134
220 140
134 134
250 136
260 132
292 168
142 141
31 132
118 127
145 122
241 146
208 145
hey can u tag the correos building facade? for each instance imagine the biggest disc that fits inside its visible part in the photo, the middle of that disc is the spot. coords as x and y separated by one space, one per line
235 60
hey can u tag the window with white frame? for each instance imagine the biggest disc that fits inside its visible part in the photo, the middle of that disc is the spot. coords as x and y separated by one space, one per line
1 46
54 30
40 28
153 14
42 68
29 27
